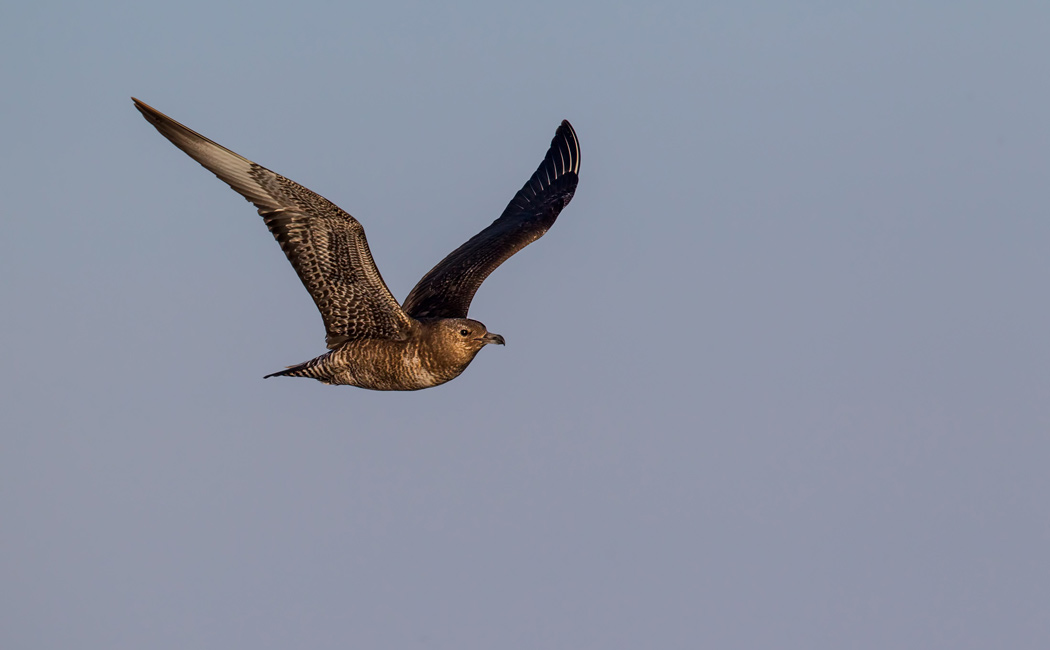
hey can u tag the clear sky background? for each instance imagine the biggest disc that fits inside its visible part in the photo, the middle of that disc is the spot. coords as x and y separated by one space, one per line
777 378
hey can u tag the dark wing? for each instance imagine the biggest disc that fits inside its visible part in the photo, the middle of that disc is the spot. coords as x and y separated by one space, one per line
446 291
325 245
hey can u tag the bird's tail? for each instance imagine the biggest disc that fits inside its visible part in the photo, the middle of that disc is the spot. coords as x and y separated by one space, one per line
314 369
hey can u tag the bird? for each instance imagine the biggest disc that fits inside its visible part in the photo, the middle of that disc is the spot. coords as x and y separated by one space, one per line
373 342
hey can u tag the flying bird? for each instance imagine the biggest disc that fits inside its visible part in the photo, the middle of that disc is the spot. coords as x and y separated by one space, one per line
373 342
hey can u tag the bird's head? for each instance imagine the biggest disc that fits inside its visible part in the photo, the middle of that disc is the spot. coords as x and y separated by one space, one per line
454 342
468 334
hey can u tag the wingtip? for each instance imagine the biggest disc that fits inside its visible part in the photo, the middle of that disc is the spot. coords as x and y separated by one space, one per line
568 135
151 114
565 126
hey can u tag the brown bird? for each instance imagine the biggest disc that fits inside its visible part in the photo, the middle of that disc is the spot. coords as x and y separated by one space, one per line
373 341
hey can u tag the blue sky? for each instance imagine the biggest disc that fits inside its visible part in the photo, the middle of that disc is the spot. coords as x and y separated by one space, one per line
777 377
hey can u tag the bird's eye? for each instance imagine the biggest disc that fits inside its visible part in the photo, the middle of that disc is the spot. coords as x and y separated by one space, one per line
464 332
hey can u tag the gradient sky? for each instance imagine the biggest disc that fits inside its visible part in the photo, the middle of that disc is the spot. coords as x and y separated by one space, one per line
777 378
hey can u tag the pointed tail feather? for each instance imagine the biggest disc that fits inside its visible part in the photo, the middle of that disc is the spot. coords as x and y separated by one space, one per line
314 369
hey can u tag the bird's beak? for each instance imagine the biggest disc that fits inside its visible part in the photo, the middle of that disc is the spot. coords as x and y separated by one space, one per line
493 338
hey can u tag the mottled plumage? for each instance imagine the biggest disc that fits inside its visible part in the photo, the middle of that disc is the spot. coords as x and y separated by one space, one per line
373 341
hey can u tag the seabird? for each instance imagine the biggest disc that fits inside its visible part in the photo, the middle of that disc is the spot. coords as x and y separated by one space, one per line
373 342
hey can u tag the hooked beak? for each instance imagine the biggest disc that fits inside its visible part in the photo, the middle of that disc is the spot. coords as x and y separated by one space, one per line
493 338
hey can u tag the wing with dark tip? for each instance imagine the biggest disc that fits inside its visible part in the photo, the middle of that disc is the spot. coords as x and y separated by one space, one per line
446 291
325 245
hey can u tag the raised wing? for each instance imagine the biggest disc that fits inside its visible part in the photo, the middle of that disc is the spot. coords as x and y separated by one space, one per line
446 291
325 245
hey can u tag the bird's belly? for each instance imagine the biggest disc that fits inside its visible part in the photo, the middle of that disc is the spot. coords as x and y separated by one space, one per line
390 370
